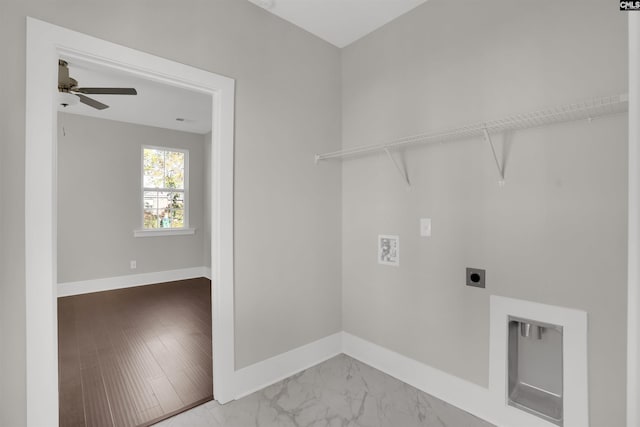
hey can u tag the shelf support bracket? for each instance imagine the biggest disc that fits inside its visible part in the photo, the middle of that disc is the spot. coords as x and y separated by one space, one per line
487 138
401 170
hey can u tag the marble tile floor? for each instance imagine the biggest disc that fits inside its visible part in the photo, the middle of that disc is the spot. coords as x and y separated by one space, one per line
341 392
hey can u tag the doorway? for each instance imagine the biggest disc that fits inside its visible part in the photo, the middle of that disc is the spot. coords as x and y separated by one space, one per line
45 44
129 213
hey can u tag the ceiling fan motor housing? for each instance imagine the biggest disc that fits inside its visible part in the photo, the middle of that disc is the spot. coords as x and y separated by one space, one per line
65 83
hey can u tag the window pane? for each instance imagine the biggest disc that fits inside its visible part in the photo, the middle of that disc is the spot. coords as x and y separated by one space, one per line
174 169
150 200
154 168
175 200
164 218
150 218
170 209
163 200
177 218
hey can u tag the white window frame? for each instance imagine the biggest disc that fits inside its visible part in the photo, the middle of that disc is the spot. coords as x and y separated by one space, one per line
153 232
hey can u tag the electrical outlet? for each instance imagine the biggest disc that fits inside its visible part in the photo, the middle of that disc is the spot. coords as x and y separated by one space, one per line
475 277
133 264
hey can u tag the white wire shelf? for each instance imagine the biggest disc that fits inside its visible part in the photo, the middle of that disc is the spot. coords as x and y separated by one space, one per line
585 110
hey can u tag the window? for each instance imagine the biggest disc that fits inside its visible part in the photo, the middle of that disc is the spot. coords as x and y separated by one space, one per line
165 197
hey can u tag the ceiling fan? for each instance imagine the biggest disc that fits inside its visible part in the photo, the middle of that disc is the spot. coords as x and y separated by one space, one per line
69 86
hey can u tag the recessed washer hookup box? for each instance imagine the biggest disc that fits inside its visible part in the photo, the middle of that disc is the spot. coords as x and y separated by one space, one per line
535 373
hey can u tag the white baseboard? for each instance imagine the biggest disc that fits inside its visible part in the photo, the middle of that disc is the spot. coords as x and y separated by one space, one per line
129 281
262 374
465 395
458 392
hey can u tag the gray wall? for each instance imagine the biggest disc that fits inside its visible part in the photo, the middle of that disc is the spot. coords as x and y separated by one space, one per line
288 254
99 168
556 233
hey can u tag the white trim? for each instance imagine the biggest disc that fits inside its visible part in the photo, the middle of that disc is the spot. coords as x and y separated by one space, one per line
45 44
206 272
40 237
66 289
262 374
465 395
155 232
574 358
633 276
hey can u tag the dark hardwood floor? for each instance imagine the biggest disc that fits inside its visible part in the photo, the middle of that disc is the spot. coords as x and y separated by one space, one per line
134 356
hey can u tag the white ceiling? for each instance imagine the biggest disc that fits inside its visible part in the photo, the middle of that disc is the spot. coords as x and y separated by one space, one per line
340 22
156 104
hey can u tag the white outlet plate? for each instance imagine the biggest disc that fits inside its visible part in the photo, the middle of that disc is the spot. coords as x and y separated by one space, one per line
425 227
133 265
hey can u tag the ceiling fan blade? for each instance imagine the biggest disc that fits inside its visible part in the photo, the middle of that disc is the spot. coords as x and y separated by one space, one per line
91 102
106 90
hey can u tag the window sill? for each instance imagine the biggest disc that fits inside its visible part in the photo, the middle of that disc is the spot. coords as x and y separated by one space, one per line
163 232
